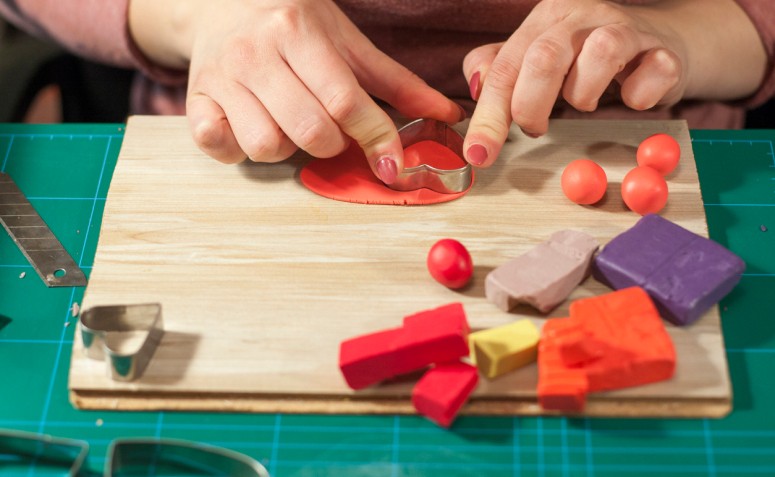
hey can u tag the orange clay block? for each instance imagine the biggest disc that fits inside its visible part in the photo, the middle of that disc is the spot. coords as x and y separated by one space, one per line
640 350
560 387
623 329
502 349
432 336
574 344
563 391
443 390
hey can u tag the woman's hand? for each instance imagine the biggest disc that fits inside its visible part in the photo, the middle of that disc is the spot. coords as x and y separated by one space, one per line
268 77
583 50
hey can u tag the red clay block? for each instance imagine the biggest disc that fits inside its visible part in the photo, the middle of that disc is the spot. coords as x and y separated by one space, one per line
446 316
443 390
626 330
432 336
369 359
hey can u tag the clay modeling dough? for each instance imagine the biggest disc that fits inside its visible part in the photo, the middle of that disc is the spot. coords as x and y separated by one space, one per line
660 152
498 350
644 190
683 272
611 341
347 177
544 276
443 390
432 336
583 181
450 263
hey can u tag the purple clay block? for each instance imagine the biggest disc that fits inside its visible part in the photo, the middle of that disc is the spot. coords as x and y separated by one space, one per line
685 274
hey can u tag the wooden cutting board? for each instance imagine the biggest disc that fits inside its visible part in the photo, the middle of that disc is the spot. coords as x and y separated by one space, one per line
260 279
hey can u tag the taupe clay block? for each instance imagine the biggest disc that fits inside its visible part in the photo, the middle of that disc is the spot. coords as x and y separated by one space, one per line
544 276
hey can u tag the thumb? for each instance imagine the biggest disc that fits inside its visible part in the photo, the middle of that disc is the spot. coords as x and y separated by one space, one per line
374 131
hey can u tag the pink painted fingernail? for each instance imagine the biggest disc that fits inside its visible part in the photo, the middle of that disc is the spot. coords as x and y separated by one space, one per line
387 169
477 154
474 86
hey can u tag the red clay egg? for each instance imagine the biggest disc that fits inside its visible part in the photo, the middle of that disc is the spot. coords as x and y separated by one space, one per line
660 152
450 263
584 182
644 190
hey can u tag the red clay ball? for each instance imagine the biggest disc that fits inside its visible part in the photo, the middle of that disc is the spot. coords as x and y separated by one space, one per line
660 152
450 263
583 182
644 190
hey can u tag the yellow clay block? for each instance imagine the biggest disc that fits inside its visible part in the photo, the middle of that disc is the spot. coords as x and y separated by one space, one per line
498 350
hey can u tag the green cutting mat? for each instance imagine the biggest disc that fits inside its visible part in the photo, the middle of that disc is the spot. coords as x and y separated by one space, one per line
65 171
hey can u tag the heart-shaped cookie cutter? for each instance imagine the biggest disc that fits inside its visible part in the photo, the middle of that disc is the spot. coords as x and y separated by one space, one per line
111 333
445 181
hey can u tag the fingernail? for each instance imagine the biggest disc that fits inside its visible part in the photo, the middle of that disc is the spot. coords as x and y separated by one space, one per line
531 134
387 169
463 113
474 86
477 154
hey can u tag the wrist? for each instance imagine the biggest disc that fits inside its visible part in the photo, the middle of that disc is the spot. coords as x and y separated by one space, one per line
723 56
164 30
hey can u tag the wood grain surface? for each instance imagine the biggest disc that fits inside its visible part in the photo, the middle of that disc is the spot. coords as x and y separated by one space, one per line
260 279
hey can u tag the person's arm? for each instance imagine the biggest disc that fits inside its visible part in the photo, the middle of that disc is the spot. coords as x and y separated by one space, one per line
762 15
659 54
725 57
272 76
164 30
94 29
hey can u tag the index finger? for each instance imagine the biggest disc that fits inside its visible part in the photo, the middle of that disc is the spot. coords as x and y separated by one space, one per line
491 121
547 62
522 85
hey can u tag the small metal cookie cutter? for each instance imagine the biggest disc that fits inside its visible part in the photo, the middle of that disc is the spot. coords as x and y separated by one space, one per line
145 456
445 181
124 335
42 452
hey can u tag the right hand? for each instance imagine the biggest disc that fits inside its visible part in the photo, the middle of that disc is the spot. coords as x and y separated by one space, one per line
269 77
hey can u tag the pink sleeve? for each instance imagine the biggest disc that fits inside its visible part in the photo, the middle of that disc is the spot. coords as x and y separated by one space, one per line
762 14
94 29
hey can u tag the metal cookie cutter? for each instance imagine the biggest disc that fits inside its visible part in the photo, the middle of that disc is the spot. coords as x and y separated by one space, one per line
145 456
124 335
445 181
41 452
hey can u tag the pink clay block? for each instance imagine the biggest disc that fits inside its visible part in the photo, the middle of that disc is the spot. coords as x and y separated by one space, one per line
545 276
